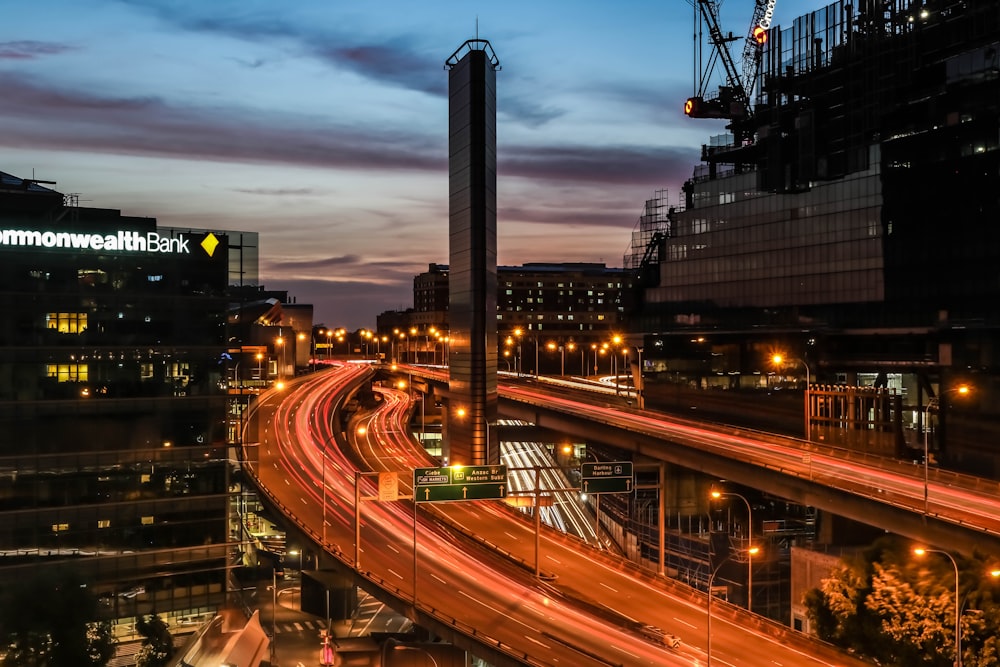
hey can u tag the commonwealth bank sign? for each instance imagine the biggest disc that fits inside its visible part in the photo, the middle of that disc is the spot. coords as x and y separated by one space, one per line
123 241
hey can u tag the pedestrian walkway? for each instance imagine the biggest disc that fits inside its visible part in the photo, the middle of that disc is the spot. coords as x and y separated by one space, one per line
126 652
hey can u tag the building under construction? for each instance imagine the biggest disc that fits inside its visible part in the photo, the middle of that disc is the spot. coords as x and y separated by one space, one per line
849 220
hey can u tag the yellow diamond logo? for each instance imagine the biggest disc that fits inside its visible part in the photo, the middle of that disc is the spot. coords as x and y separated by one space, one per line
210 243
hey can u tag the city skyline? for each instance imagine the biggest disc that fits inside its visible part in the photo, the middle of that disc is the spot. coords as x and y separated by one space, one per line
325 128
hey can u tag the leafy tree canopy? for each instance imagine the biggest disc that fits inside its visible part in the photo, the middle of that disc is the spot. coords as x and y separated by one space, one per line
898 609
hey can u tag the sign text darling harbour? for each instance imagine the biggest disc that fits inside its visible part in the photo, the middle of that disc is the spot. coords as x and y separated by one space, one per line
122 240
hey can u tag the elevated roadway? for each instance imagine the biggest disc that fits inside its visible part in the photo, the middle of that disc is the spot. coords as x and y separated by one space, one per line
441 566
961 512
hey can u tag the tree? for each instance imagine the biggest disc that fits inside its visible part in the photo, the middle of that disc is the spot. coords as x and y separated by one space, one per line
900 611
157 644
52 621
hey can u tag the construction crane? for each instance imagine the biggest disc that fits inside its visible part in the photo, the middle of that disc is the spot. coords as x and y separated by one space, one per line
733 100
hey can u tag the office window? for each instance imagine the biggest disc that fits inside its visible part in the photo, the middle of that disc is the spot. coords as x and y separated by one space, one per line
67 372
66 323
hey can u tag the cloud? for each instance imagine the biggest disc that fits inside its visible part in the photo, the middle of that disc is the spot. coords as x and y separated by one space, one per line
318 263
595 164
80 121
280 192
30 50
398 61
149 126
395 63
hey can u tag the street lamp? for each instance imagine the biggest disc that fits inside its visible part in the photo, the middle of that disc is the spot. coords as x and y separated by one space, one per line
552 347
711 578
571 346
778 360
518 357
403 647
920 551
719 494
934 402
280 342
297 552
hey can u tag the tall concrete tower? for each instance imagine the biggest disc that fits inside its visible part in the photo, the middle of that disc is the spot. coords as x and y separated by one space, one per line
472 278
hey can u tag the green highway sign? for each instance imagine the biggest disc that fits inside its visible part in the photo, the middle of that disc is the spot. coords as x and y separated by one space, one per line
459 483
606 477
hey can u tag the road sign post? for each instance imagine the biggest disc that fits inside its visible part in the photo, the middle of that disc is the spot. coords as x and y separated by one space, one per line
607 477
459 483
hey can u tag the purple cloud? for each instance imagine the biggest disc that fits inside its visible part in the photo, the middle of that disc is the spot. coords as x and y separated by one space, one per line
81 121
30 49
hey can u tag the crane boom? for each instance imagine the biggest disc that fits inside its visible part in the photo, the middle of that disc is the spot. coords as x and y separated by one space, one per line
710 13
753 46
734 99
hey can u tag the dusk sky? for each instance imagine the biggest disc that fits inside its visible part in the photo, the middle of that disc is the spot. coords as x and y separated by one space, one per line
323 125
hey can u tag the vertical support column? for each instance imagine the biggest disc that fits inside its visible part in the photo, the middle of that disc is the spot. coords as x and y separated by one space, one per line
662 519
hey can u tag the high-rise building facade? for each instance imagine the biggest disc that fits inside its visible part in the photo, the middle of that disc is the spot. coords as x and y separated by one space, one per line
564 311
113 381
472 229
854 226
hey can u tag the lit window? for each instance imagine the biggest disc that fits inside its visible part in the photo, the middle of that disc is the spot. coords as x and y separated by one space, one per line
104 523
67 372
66 323
147 520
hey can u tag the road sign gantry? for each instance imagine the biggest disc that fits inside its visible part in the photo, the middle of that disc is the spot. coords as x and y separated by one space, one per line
452 483
607 477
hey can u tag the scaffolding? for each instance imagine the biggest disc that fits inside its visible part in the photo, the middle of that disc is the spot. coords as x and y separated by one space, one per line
653 226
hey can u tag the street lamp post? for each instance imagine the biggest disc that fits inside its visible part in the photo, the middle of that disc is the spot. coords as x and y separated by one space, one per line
322 452
571 346
958 610
933 402
927 429
562 351
403 647
280 342
720 494
711 578
778 359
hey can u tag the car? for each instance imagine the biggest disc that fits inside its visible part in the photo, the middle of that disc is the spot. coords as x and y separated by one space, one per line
658 635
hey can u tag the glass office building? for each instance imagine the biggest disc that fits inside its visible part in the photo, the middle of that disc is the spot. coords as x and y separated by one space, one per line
851 220
113 398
